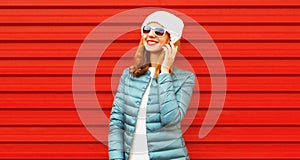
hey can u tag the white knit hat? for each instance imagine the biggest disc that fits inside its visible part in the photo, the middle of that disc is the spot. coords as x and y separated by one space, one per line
170 22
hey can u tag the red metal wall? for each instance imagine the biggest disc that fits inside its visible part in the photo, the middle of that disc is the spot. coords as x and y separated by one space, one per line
258 41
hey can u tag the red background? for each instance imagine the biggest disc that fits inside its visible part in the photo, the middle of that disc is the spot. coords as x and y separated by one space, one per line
258 41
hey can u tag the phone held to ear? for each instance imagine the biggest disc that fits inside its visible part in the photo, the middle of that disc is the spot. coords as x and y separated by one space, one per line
175 40
165 48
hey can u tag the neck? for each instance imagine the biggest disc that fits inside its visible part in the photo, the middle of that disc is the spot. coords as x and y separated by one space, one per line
154 58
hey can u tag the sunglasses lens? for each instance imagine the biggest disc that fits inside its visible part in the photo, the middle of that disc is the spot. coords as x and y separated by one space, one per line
146 29
159 31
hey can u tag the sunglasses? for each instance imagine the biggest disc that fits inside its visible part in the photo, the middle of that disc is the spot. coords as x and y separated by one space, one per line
158 31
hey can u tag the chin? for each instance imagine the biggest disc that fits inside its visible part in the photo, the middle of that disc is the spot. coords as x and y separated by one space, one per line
155 48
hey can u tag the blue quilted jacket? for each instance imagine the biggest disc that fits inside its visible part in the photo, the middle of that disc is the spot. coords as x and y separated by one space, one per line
168 101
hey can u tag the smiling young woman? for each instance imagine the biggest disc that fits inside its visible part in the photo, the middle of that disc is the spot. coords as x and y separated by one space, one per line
154 37
146 113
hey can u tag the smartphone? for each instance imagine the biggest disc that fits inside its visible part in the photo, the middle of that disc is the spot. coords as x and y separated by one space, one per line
175 40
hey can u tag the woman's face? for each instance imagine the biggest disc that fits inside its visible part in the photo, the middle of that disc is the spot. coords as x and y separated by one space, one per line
152 42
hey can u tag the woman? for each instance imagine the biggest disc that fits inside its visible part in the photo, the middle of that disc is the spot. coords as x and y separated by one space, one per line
152 97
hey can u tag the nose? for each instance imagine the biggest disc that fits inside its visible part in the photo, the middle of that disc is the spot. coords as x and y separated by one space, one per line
151 33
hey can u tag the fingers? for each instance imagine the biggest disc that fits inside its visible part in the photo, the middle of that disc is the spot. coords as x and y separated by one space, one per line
170 53
165 49
174 50
170 50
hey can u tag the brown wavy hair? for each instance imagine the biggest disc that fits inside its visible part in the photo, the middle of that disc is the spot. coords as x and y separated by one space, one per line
142 60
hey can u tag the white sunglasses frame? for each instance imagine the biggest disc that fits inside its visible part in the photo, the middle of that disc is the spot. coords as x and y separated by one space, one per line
153 28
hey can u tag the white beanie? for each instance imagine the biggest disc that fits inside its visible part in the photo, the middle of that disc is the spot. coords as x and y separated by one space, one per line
169 21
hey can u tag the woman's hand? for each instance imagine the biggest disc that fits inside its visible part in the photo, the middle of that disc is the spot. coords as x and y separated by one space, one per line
170 53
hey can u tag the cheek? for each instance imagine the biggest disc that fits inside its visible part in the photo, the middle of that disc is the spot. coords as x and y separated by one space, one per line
144 38
163 40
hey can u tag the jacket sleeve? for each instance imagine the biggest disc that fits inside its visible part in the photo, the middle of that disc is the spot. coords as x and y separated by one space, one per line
116 125
173 104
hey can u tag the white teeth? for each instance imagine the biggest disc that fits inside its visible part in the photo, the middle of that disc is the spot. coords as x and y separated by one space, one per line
151 42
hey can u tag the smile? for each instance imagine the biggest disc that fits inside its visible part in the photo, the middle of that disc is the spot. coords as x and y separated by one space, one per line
151 42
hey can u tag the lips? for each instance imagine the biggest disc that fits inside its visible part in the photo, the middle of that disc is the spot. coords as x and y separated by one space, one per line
151 42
